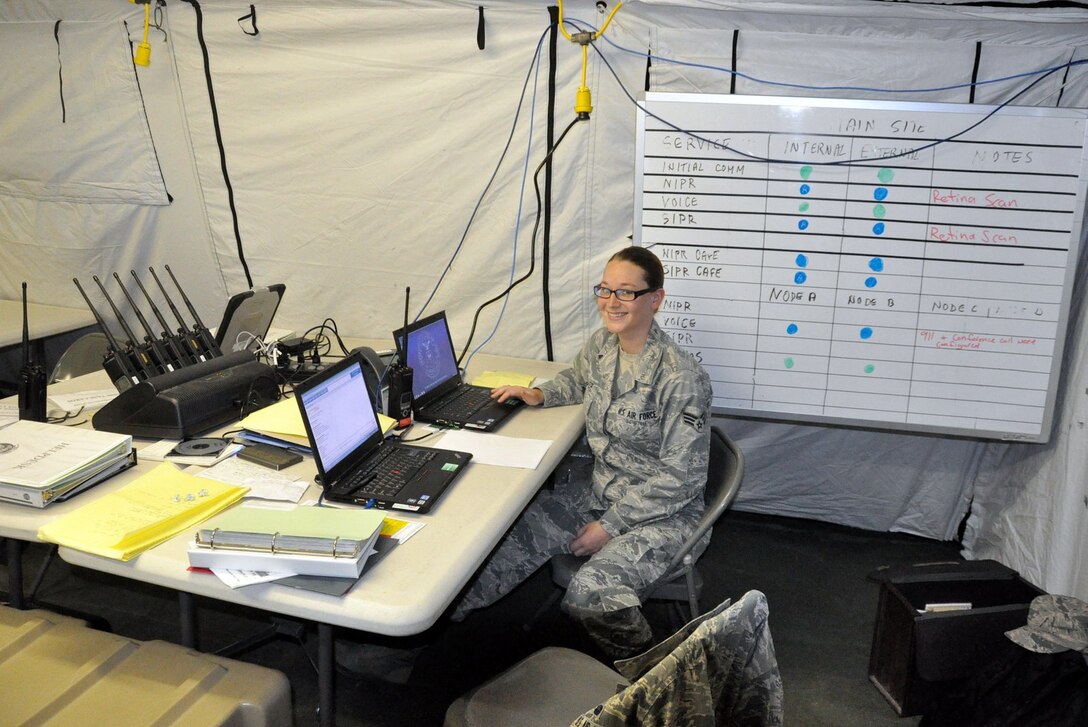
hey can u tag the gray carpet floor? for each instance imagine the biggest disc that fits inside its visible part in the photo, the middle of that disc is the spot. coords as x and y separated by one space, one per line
815 576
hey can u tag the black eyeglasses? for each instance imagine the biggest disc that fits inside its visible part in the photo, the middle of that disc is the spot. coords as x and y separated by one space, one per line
625 295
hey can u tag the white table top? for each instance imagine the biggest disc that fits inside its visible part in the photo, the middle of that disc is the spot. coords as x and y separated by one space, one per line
42 320
408 590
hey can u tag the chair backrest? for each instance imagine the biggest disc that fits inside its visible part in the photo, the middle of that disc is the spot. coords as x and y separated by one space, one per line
724 474
83 356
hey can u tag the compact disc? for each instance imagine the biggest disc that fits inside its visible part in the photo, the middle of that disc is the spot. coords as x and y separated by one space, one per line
204 446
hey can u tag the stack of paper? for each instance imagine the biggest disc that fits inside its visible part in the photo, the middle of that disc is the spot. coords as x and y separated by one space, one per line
299 540
42 463
495 379
140 515
281 424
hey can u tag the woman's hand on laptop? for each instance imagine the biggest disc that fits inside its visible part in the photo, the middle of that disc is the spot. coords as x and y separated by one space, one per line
532 397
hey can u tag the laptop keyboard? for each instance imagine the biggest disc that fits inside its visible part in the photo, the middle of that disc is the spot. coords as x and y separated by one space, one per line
385 477
461 403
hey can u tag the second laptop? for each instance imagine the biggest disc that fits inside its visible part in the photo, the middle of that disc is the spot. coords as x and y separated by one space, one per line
439 395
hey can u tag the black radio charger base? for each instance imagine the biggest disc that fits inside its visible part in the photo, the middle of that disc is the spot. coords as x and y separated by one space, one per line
191 400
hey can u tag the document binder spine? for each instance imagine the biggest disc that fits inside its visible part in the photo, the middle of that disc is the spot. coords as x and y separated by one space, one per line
275 543
42 497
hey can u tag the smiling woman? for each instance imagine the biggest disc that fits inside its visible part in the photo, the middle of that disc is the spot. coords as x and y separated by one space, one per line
629 295
646 404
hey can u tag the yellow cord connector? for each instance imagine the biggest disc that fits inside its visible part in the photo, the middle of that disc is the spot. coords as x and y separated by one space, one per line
583 100
143 50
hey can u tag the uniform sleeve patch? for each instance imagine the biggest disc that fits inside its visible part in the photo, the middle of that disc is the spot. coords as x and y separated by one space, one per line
695 418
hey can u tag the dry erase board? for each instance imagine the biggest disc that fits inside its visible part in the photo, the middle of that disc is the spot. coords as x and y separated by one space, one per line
884 264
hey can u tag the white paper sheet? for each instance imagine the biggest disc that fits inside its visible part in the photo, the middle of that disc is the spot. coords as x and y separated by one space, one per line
496 449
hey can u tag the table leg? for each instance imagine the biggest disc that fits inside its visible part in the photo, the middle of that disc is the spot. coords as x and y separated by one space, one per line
15 573
326 675
187 612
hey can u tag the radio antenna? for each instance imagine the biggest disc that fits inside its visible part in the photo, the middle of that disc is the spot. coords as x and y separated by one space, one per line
26 331
407 293
32 384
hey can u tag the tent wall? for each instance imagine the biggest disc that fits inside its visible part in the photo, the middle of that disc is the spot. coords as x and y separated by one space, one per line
358 138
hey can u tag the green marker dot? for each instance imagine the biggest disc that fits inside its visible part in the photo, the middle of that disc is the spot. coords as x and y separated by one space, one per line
879 211
803 207
885 175
806 171
869 368
789 363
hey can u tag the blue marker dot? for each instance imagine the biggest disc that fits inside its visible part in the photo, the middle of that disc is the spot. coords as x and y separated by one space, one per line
866 333
791 328
880 193
800 278
878 228
802 260
870 282
805 189
876 265
802 225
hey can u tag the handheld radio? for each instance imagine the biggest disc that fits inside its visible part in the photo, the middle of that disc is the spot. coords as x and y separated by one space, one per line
31 378
399 403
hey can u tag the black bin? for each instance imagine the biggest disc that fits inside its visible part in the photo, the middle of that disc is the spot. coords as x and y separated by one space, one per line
916 656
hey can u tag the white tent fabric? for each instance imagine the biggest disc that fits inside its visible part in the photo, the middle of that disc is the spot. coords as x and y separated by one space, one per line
358 138
71 147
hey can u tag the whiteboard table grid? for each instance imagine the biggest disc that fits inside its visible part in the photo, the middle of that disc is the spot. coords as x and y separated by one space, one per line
817 280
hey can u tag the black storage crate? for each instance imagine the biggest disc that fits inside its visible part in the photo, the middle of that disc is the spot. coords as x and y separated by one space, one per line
915 656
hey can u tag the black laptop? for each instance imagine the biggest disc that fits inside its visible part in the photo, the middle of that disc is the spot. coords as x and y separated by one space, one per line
354 461
439 395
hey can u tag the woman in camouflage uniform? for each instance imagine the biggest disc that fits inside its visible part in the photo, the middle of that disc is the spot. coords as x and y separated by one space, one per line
647 406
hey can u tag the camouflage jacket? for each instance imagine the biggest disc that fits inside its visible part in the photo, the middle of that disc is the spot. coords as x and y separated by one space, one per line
650 442
720 669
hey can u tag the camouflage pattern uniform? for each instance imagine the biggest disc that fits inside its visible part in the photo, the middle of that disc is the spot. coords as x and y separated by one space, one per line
720 669
650 440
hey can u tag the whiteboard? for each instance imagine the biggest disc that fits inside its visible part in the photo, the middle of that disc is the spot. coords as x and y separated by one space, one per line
881 264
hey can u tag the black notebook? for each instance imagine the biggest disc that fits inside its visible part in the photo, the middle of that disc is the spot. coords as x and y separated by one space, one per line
355 462
438 392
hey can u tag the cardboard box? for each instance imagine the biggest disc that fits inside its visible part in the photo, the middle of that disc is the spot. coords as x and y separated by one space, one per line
916 656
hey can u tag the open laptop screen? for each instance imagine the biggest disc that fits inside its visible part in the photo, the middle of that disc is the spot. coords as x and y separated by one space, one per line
340 420
430 354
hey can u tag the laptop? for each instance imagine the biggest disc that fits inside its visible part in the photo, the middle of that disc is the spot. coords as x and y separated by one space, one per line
247 317
355 462
439 395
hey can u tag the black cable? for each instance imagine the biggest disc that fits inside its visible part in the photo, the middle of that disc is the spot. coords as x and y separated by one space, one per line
840 162
490 181
545 257
974 71
147 121
984 4
219 137
732 76
320 338
60 74
1065 79
532 247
